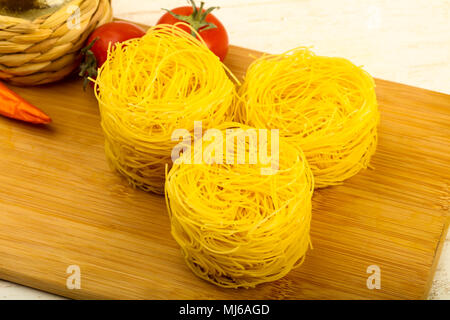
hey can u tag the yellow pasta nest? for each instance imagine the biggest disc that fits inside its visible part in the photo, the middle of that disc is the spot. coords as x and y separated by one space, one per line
236 226
151 86
325 106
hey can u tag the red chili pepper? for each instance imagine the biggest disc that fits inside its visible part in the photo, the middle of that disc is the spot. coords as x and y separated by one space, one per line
14 106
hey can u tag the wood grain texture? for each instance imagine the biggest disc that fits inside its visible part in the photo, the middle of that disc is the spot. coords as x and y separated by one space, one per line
61 205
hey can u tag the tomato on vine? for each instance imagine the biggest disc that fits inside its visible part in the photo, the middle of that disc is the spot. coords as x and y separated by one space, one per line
204 22
96 51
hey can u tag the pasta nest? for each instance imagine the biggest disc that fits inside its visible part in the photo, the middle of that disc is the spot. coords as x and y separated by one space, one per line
324 106
236 226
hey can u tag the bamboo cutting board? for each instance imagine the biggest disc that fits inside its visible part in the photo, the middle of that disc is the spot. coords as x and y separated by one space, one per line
60 205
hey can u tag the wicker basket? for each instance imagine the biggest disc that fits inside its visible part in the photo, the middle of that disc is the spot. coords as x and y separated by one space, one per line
46 49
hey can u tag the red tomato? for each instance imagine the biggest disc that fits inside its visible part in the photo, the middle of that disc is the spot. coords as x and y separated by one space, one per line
96 52
112 32
209 27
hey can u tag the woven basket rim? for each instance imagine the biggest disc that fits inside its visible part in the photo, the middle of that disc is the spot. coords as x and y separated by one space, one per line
44 49
43 17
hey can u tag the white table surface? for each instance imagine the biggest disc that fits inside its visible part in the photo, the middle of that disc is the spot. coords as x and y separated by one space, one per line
404 41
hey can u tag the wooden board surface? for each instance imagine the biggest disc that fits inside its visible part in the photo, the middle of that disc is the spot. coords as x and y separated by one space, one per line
61 205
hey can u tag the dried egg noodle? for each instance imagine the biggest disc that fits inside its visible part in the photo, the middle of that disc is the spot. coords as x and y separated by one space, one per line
151 86
236 227
325 106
